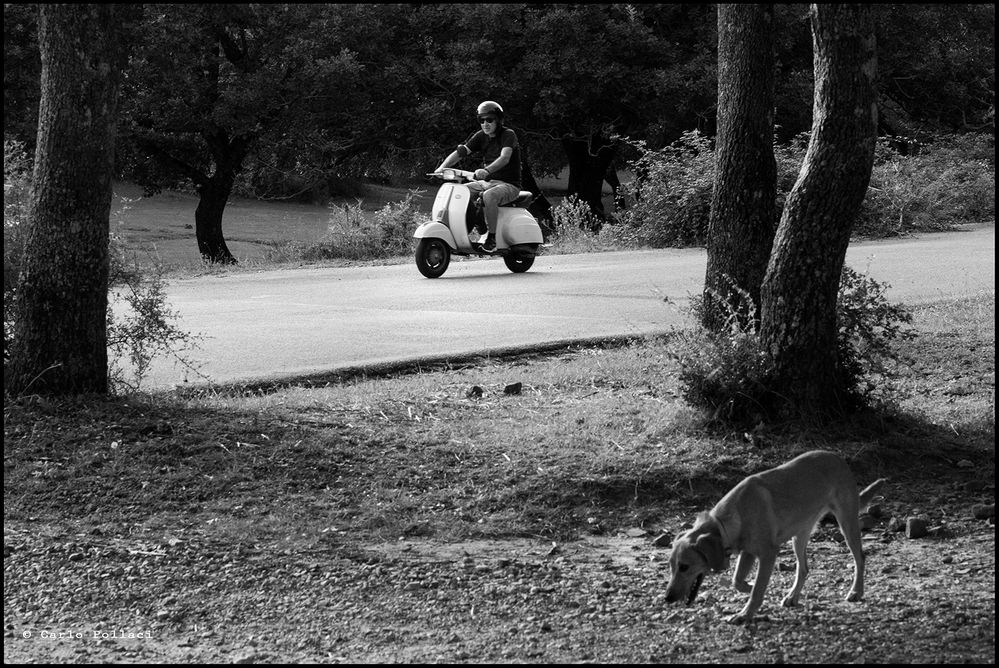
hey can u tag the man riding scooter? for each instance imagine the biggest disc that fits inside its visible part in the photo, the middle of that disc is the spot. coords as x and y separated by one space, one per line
498 180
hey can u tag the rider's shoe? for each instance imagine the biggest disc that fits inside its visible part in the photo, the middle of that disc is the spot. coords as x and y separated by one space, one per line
487 242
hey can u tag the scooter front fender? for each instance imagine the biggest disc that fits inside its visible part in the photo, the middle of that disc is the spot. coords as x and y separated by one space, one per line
435 230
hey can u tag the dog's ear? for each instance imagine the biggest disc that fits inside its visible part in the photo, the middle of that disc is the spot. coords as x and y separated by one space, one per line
709 544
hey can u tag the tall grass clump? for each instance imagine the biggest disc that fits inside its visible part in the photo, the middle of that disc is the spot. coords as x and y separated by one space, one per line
573 227
730 374
354 234
144 328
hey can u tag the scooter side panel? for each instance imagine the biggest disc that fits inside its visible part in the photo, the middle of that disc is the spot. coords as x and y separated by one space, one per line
517 226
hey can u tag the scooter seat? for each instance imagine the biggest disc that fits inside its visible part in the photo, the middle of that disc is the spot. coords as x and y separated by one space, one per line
523 198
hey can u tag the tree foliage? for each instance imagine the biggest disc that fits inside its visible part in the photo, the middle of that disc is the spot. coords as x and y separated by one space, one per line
283 100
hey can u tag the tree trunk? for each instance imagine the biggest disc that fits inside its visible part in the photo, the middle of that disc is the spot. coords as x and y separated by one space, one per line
798 327
60 332
741 227
588 162
615 183
214 194
208 223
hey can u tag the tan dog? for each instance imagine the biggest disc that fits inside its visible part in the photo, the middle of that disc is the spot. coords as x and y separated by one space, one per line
759 515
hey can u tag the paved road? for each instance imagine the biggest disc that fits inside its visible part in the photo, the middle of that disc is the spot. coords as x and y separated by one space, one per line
307 322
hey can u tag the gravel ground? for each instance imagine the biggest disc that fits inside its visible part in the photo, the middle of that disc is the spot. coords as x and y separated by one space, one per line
126 594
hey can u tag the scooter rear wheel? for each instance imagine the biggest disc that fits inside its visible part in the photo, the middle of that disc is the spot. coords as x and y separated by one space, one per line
518 264
432 257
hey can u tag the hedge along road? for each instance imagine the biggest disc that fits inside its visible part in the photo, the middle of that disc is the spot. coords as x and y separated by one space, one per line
315 324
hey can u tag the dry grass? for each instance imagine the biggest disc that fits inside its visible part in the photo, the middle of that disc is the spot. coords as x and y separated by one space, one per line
597 439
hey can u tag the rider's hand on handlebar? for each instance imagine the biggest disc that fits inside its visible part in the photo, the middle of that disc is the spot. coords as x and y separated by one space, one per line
481 174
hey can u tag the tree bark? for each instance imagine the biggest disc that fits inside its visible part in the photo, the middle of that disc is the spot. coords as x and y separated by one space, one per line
742 222
798 328
60 332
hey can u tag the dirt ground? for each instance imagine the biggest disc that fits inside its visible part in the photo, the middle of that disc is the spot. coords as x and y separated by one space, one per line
126 594
173 585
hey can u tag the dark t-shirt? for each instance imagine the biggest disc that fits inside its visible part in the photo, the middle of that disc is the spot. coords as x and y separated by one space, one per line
490 147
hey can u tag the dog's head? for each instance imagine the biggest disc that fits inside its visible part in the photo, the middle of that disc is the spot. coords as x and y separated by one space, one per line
695 553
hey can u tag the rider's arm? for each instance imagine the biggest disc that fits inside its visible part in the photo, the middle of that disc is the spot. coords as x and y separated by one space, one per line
504 157
450 160
463 150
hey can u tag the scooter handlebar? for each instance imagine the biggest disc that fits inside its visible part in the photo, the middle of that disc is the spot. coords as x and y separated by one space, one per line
452 174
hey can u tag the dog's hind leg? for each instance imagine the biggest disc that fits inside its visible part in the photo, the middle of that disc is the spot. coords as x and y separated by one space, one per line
799 543
742 568
849 526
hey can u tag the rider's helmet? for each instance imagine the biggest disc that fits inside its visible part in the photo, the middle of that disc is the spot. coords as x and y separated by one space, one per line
490 107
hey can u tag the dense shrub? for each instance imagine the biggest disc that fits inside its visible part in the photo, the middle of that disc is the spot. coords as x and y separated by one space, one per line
671 194
935 186
728 372
931 186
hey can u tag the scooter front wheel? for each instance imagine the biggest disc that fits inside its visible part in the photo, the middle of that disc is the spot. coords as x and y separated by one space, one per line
518 264
432 257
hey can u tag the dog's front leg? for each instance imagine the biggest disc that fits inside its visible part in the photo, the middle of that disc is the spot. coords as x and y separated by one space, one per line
763 573
742 568
799 543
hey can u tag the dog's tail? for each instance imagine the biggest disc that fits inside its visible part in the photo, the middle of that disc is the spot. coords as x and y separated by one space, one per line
870 492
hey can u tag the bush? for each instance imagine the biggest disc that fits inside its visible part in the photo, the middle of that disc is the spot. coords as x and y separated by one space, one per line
355 235
729 373
145 331
943 184
726 371
671 194
16 190
868 325
935 186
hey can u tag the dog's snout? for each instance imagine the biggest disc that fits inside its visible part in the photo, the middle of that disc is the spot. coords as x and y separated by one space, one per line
673 595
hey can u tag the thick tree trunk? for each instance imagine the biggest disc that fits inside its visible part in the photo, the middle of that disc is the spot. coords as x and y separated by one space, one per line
798 327
588 163
208 223
741 227
214 194
60 335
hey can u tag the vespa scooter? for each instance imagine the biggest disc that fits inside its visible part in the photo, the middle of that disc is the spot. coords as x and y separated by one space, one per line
456 213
